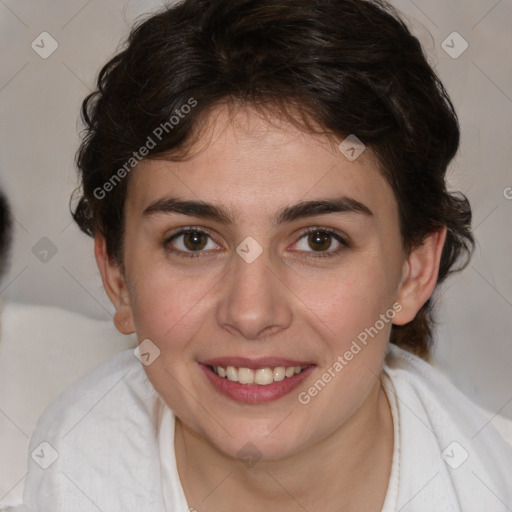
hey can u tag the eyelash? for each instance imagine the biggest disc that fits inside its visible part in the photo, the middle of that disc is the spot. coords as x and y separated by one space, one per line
198 254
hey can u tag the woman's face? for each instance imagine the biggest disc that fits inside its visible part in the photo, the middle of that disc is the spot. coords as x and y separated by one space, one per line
295 252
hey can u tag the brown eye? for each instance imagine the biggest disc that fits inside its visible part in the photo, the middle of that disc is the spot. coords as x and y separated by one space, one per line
319 240
188 241
195 241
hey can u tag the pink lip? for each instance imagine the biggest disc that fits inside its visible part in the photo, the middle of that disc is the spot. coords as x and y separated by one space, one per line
255 363
254 393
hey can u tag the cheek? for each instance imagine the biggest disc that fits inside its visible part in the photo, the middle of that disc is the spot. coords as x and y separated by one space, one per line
168 310
166 306
344 302
160 295
165 300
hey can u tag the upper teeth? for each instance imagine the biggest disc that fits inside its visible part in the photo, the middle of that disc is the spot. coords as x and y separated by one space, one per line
261 376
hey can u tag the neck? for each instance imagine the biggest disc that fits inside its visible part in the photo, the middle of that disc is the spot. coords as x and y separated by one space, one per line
349 470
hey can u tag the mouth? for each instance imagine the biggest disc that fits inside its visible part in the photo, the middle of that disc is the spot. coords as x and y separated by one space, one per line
258 384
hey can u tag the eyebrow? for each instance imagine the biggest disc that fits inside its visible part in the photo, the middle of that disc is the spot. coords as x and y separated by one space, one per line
297 211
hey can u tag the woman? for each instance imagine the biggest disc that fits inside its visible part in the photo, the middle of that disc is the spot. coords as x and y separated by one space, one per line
265 184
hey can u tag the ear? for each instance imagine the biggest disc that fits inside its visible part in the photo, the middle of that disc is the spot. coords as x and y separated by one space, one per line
115 287
419 276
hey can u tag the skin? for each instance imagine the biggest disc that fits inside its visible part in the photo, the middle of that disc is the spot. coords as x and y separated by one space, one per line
289 302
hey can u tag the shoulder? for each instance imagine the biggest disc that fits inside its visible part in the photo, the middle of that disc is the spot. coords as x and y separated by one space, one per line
503 425
116 380
438 393
102 428
444 433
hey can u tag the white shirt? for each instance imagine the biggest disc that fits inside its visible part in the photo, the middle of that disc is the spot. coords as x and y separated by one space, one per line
114 441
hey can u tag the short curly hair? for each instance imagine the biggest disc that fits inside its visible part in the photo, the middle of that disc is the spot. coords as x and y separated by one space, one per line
348 66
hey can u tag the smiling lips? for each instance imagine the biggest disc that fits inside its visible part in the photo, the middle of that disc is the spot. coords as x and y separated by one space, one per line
256 380
261 371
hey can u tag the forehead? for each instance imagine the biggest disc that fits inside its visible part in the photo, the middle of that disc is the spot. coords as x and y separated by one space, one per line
250 163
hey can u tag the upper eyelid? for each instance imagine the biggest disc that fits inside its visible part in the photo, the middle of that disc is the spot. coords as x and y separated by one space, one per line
188 229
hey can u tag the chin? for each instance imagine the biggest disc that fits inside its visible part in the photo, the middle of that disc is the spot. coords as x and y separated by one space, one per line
259 446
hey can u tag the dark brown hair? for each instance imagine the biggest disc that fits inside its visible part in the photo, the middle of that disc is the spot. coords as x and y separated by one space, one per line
5 232
348 66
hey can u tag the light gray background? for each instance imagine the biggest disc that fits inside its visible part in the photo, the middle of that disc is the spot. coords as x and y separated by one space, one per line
39 104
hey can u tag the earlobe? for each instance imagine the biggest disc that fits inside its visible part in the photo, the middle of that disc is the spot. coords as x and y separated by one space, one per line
123 320
115 287
420 276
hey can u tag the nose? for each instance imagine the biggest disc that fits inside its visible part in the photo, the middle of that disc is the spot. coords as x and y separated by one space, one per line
254 302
